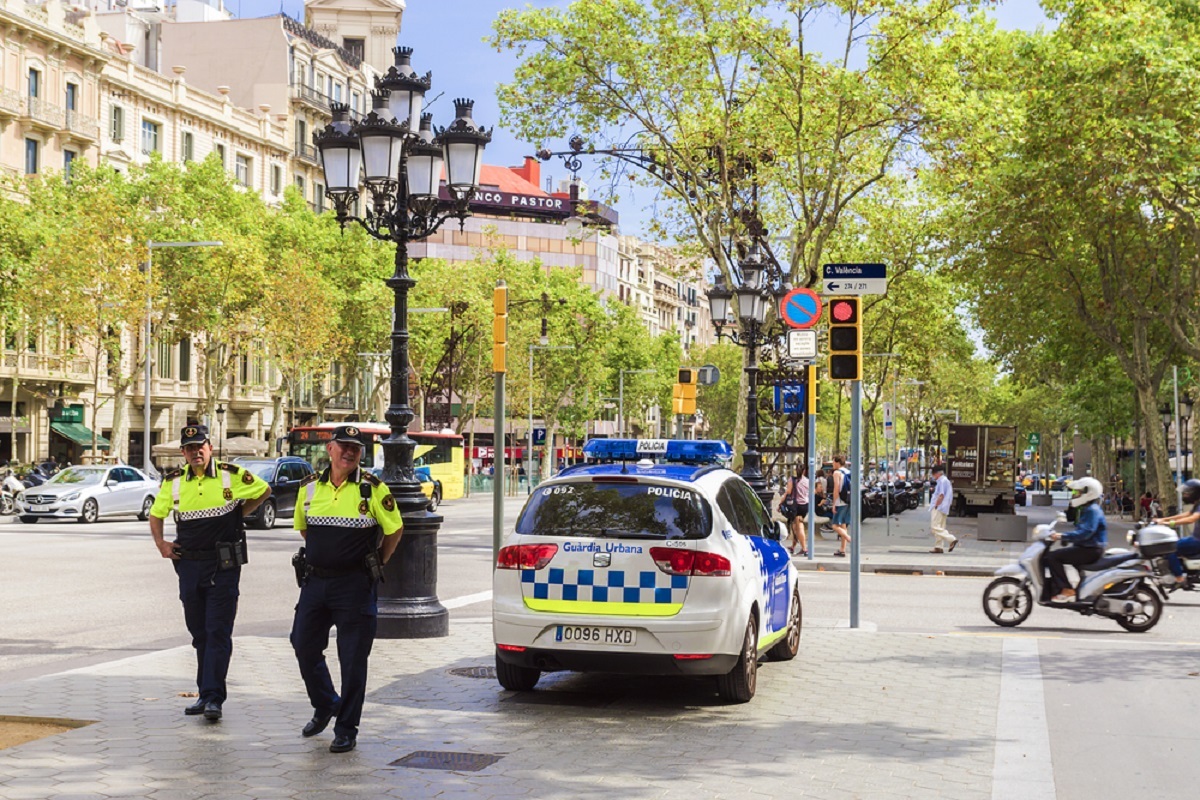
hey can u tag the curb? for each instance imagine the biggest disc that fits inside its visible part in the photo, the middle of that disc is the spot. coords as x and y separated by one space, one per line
957 571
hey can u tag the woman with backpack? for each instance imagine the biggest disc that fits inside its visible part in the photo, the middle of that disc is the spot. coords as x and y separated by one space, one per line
795 510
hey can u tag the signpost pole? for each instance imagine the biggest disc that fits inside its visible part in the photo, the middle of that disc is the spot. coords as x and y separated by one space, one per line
855 497
810 449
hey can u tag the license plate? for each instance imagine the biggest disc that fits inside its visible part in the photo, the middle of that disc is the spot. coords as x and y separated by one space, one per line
39 508
592 634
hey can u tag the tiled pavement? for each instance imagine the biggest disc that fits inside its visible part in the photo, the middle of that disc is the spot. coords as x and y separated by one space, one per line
855 715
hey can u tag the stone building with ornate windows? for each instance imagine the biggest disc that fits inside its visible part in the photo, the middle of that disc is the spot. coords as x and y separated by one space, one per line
115 81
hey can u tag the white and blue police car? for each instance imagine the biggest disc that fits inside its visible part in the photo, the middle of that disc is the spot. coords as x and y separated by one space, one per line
630 566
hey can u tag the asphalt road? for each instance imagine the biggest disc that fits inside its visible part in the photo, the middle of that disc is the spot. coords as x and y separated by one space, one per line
1120 709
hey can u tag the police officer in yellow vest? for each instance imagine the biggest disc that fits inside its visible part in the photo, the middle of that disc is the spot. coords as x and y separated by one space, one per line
351 527
207 553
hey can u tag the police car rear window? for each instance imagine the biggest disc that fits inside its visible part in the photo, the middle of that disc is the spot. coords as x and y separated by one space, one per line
617 511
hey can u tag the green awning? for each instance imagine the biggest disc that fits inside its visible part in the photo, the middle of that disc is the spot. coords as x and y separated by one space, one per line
80 434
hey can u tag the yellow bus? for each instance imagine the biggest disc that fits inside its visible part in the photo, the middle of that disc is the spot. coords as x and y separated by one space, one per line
438 456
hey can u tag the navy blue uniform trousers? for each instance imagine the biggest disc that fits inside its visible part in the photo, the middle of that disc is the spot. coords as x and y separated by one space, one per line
210 599
349 602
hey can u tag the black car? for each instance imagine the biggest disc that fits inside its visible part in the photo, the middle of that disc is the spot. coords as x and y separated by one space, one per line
284 476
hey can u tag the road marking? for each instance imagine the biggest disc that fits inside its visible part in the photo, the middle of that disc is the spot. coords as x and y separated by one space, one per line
1022 766
467 599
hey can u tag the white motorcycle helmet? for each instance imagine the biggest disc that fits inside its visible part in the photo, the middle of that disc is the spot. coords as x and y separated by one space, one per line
1085 490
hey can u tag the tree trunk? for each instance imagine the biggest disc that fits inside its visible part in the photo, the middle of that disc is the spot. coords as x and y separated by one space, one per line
120 426
1158 477
278 428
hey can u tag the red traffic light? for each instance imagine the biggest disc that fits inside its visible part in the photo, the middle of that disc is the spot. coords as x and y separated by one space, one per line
844 311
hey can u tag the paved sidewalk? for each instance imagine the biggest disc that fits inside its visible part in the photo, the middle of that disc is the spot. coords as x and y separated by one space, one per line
855 715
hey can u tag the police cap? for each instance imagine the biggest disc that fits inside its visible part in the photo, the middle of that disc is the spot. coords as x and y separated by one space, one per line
348 434
193 434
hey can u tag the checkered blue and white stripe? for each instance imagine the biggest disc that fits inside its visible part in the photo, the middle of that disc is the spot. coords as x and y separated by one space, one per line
343 522
605 586
205 513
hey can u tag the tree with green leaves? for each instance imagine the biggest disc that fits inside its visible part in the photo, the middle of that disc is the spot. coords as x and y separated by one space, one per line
741 123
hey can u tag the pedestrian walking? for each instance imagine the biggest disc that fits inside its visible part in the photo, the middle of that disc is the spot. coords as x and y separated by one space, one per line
209 499
840 491
939 511
795 510
351 527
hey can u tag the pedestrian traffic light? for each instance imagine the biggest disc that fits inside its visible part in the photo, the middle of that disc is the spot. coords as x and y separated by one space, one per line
845 339
684 395
499 327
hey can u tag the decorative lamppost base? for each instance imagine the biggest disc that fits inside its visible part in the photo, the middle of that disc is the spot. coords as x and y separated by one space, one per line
412 570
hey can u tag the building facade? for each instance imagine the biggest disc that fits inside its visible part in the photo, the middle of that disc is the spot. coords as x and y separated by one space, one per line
114 82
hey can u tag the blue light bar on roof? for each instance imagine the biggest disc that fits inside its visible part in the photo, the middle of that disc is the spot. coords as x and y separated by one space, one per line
687 451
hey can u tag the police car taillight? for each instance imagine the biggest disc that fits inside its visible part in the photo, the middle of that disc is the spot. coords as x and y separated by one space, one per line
525 556
690 562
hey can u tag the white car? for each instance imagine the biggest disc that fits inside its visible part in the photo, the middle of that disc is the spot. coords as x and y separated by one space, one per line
88 493
644 568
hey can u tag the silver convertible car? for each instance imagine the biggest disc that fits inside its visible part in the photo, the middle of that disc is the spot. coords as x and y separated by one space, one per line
88 493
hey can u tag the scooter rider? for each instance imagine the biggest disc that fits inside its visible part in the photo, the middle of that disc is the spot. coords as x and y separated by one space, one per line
1088 540
1188 546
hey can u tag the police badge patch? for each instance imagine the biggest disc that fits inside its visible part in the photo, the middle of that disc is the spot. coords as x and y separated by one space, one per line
362 507
389 502
247 477
228 495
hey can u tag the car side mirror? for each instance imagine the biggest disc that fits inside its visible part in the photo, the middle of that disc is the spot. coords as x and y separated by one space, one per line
774 531
111 482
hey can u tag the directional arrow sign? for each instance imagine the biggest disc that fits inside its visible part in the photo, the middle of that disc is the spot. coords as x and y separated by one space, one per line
856 286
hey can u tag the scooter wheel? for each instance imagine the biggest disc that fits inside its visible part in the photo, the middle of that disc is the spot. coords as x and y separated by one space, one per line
1007 602
1151 610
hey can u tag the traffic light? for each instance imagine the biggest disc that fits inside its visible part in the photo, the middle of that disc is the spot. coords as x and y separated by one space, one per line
499 327
845 339
684 395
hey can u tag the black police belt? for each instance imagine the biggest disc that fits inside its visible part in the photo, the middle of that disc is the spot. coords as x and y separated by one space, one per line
321 572
197 555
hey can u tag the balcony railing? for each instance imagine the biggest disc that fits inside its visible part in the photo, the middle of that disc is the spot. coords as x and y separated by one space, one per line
10 102
45 112
310 95
306 152
39 365
82 125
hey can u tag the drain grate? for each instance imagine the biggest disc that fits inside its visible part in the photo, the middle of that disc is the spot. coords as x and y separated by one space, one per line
449 760
474 672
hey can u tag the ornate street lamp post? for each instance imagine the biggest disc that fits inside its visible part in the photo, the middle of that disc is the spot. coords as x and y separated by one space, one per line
395 154
752 333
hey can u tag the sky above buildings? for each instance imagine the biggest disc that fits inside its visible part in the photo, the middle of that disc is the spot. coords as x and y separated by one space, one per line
448 38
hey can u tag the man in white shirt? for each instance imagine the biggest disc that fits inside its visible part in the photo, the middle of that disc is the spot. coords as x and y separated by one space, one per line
939 510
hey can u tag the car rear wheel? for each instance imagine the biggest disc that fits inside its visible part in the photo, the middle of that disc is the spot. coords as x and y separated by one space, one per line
515 678
787 649
91 511
146 505
738 685
266 515
436 500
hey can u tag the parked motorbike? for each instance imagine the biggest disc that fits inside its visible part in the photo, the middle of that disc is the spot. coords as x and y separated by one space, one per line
1122 585
9 490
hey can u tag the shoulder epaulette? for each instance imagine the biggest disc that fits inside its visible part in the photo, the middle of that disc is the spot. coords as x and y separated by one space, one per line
309 478
234 468
171 474
371 479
